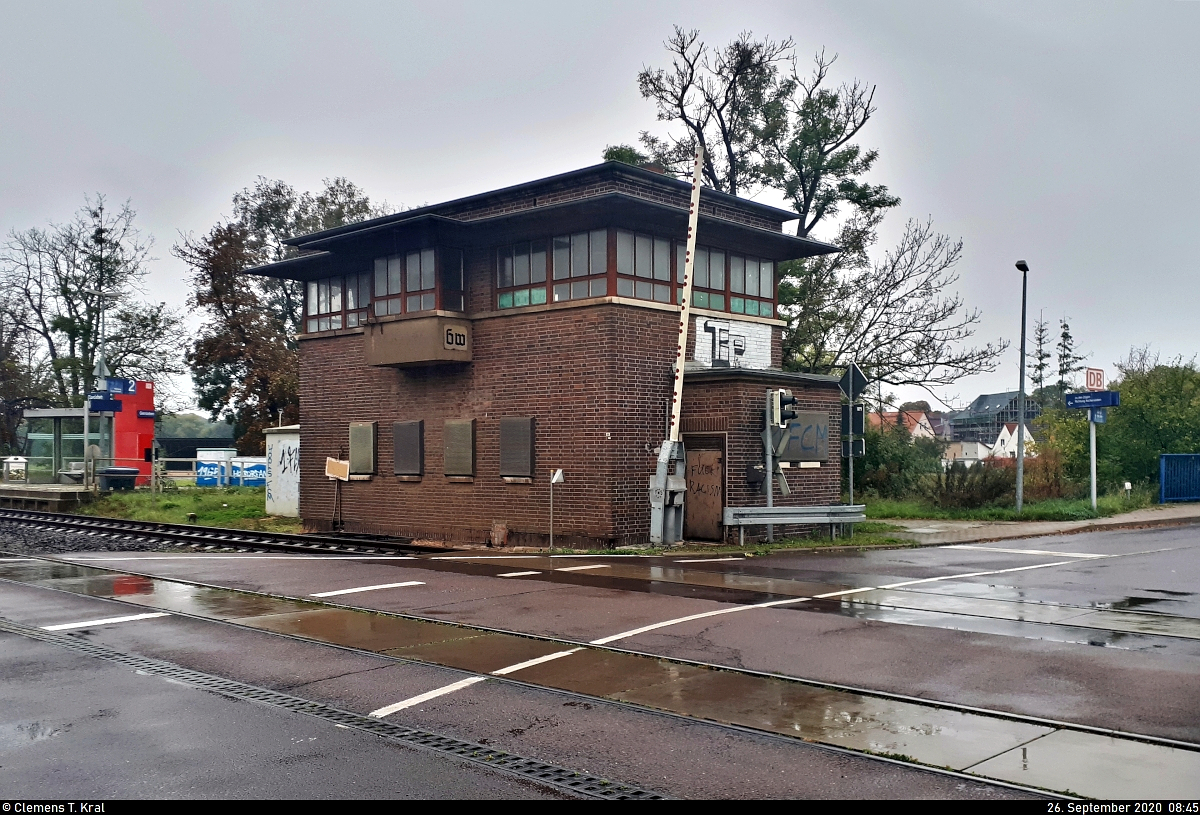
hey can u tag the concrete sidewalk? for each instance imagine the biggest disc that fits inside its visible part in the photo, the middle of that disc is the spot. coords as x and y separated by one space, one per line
943 531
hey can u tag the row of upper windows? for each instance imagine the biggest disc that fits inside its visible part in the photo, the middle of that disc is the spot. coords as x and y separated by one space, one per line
530 273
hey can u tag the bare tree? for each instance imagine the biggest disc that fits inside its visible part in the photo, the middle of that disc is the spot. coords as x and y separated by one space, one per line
61 278
897 316
717 95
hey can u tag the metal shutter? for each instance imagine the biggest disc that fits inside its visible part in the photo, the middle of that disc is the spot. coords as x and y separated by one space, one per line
516 446
459 443
362 448
408 447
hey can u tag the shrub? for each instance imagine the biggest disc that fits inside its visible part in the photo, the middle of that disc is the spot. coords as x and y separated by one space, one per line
963 487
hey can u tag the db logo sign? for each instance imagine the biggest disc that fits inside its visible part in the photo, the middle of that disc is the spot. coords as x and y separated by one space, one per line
1095 379
455 339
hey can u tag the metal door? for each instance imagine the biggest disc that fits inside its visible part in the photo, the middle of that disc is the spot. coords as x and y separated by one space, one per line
705 495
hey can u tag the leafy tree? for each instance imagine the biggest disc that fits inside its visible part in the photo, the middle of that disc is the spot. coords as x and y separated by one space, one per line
1159 413
804 135
916 407
244 362
895 463
59 279
192 426
626 153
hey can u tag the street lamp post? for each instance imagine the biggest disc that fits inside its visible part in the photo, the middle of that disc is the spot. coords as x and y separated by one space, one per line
1024 269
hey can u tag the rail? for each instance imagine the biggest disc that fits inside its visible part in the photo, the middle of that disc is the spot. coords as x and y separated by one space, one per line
835 515
216 537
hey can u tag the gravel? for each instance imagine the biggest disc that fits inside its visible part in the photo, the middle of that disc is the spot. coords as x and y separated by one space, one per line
19 539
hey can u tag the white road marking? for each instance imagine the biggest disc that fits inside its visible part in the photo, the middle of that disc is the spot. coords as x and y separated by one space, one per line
425 697
201 556
581 568
105 621
485 557
368 588
529 663
634 632
517 574
711 560
1020 551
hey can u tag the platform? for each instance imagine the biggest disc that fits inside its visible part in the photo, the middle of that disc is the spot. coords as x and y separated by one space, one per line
49 497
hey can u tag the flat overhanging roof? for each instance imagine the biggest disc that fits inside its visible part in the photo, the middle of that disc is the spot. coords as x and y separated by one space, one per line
574 177
620 210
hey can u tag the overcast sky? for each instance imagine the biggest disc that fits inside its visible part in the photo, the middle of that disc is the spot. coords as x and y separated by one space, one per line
1064 133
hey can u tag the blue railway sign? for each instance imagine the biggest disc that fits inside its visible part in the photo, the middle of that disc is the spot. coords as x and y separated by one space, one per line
1094 399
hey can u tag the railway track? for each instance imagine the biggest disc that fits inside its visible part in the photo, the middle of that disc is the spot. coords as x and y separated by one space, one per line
214 538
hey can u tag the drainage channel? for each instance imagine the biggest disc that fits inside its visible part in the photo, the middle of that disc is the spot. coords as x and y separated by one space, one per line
1012 749
580 784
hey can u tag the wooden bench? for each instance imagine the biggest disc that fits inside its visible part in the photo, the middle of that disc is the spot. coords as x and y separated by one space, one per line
742 517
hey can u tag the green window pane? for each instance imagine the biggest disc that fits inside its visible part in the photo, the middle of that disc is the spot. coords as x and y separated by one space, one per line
737 305
506 300
716 302
751 306
538 296
521 297
700 299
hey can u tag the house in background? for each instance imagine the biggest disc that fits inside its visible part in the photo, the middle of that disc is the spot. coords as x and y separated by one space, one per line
915 421
1005 445
969 453
985 417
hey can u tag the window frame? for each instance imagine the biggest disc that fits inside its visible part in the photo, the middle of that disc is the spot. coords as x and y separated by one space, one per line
316 321
431 298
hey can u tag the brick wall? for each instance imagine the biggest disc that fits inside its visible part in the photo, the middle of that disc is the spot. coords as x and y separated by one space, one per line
597 380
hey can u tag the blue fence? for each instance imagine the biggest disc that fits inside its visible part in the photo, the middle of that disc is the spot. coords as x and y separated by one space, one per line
1178 477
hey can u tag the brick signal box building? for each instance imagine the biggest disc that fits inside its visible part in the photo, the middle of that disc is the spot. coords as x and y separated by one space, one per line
456 354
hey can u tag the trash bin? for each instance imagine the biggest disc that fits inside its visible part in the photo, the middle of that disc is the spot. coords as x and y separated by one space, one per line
16 470
118 478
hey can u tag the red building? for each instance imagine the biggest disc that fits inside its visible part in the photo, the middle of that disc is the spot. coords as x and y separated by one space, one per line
457 353
133 429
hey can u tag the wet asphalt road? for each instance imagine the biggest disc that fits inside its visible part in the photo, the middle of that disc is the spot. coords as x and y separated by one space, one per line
1098 629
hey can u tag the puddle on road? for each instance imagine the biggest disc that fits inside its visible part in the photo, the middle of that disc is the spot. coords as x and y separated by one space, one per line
1099 767
1020 752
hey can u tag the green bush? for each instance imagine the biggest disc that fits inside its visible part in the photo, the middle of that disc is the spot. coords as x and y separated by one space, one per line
963 487
895 464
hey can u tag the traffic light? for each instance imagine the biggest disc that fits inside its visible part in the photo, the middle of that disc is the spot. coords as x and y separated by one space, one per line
778 410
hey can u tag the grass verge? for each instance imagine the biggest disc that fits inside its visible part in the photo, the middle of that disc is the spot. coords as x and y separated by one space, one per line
1058 509
229 507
